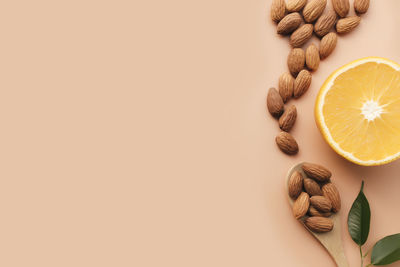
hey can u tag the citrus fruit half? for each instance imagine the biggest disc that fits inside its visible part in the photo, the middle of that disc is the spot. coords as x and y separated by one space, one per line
358 111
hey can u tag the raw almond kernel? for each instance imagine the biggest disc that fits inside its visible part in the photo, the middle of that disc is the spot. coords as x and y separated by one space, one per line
302 83
301 205
330 191
313 10
361 6
341 7
296 60
321 203
327 45
278 9
286 85
325 23
274 102
312 57
312 187
289 23
317 172
295 185
287 120
287 143
314 212
300 36
348 24
319 224
295 5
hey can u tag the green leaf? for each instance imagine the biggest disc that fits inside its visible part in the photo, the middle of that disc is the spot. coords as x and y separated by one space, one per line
386 250
359 218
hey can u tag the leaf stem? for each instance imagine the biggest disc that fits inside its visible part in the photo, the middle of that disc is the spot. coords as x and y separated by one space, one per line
366 254
361 254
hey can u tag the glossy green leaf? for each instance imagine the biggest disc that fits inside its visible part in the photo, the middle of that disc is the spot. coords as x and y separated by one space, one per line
359 218
386 250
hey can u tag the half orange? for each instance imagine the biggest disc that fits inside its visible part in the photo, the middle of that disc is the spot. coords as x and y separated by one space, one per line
358 111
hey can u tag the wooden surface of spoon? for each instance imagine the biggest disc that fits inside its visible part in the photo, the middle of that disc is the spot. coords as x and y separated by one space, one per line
332 241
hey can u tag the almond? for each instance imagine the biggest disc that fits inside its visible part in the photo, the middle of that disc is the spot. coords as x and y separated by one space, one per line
300 36
313 10
295 185
301 205
296 60
330 191
278 9
286 85
295 5
312 57
348 24
341 7
314 212
321 203
319 224
289 23
325 23
312 187
274 102
287 120
360 6
287 143
327 45
302 83
317 172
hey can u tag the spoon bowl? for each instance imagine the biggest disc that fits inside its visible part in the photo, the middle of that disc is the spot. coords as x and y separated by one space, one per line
331 241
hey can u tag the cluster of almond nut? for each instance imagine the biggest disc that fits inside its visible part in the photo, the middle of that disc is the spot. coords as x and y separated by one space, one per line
301 19
315 196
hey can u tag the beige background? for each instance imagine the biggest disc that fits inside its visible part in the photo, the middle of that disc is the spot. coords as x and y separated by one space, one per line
135 133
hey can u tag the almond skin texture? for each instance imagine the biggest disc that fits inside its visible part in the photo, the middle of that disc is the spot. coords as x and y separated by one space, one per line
327 45
295 185
295 5
300 36
341 7
325 23
274 102
312 57
361 6
287 120
313 10
312 187
348 24
296 60
321 203
278 9
287 143
286 85
289 23
317 172
314 212
301 205
302 83
319 224
330 191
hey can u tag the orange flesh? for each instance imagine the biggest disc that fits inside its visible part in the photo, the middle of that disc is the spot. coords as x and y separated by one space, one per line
367 140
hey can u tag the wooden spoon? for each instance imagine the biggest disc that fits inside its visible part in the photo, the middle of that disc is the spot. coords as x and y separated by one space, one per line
332 241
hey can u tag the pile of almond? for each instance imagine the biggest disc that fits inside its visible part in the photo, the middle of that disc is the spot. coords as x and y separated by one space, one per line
315 197
301 19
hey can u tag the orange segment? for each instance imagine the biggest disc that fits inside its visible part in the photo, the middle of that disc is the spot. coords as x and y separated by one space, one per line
358 111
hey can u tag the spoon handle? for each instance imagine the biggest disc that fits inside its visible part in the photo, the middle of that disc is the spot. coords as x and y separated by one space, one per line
340 259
